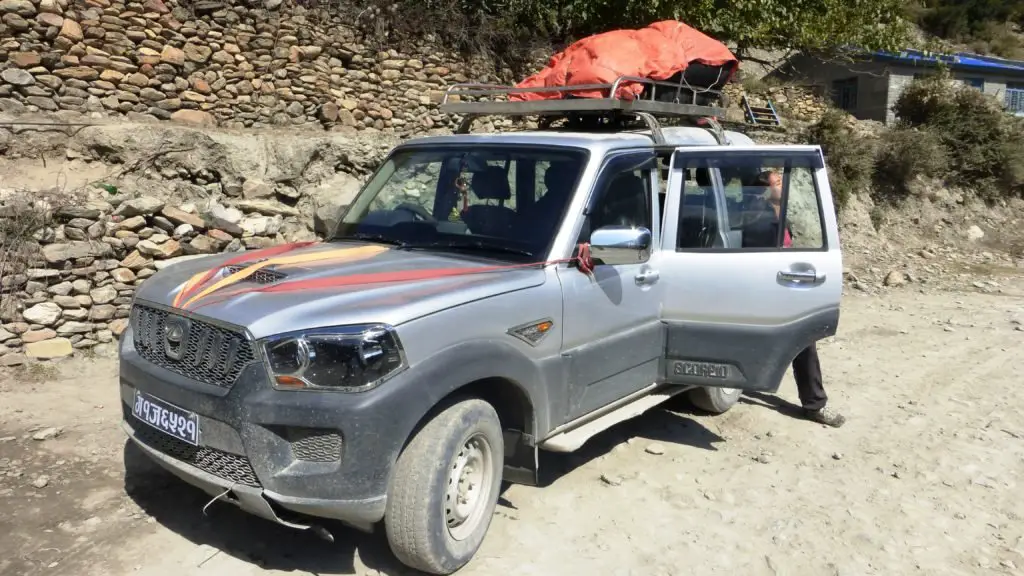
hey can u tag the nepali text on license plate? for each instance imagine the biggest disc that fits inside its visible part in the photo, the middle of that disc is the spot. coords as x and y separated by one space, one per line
167 418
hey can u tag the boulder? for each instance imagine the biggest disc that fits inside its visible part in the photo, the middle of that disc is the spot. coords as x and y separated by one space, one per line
141 206
44 314
330 199
49 349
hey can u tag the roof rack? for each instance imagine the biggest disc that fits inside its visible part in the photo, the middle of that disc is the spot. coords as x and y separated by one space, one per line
650 105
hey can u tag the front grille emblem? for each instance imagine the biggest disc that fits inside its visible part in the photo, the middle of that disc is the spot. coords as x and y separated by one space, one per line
175 336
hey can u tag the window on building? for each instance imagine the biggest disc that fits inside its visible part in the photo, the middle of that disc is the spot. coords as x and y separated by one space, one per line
1015 97
978 83
844 93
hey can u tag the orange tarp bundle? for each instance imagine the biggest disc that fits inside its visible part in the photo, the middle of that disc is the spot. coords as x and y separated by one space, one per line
657 52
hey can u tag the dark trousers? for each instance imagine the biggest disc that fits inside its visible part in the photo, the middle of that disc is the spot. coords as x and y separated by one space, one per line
807 371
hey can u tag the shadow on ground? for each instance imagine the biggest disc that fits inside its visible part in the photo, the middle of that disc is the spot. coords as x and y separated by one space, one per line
669 424
179 507
772 402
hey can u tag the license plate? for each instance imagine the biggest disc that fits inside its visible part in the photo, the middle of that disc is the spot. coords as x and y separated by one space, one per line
167 418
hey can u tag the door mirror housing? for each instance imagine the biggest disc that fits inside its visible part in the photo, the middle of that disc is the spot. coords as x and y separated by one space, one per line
620 245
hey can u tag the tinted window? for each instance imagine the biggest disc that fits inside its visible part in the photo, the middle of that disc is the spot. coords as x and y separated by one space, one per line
506 200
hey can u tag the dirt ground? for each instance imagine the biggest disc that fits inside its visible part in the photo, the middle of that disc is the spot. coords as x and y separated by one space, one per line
923 478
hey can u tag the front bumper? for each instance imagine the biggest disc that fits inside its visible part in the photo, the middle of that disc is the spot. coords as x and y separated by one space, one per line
280 455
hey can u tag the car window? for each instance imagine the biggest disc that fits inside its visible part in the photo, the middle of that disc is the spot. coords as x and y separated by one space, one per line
623 198
464 198
759 192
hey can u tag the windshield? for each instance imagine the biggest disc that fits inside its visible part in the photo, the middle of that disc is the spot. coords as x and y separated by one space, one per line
504 202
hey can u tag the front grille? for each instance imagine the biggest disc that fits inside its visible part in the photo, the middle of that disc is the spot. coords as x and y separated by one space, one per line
261 276
230 467
205 353
312 445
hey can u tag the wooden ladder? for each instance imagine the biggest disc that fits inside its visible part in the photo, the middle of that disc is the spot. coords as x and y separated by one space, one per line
761 115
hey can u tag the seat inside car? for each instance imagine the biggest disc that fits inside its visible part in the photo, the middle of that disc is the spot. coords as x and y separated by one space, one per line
490 219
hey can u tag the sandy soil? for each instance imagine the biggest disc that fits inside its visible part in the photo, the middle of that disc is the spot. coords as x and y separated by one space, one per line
922 480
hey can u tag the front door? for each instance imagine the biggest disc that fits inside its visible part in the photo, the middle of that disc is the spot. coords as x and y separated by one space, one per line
612 334
750 262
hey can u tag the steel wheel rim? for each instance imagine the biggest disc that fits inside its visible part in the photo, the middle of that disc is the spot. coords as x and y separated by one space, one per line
470 481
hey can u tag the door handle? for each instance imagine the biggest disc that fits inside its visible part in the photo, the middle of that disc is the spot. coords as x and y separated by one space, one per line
801 277
648 277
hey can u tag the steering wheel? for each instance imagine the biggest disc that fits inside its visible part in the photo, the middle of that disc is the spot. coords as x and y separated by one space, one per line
417 211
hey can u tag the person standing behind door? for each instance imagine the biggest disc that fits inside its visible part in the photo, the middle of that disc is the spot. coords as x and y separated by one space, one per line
762 220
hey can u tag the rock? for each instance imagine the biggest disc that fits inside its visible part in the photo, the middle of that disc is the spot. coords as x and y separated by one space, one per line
72 31
202 245
173 56
975 233
266 207
655 449
134 223
141 206
33 336
168 249
69 328
256 189
895 278
330 199
117 327
45 314
136 261
179 217
5 335
66 302
102 313
611 480
46 434
17 77
837 456
12 360
62 289
194 117
22 8
60 253
198 53
184 231
49 349
103 295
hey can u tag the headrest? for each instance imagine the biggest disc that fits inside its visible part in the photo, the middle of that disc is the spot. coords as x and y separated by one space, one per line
491 184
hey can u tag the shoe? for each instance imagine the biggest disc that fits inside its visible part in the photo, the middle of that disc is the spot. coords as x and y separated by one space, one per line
825 416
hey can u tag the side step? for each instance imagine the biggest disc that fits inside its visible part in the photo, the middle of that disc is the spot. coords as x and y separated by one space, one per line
570 436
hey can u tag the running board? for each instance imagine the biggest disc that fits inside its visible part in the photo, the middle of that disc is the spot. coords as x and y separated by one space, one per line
569 437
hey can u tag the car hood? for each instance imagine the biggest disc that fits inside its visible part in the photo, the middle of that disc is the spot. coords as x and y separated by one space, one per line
268 313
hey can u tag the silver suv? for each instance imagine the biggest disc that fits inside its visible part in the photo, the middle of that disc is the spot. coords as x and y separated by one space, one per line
484 297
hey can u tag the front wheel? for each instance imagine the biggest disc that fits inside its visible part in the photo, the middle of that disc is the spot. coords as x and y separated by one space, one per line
444 488
715 400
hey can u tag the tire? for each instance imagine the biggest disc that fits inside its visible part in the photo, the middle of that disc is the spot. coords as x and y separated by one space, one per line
715 400
424 529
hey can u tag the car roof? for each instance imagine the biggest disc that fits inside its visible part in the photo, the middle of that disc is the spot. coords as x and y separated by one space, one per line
594 141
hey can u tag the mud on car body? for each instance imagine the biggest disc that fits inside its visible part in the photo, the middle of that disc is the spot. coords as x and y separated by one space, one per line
484 297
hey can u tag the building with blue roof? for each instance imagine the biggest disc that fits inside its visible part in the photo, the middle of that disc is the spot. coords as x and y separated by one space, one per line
869 85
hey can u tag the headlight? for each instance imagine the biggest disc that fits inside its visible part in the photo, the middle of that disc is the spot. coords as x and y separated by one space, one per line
347 358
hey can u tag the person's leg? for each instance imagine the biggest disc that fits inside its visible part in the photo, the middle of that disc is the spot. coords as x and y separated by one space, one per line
807 371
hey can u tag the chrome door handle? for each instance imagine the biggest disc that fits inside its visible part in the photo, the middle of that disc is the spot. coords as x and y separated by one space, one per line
801 277
648 277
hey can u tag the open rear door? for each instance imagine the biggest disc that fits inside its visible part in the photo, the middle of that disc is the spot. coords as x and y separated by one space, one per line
743 295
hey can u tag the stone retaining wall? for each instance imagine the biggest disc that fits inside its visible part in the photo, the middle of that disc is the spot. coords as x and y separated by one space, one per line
73 290
219 62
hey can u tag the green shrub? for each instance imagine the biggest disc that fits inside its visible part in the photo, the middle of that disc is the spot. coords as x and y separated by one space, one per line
985 145
850 156
905 154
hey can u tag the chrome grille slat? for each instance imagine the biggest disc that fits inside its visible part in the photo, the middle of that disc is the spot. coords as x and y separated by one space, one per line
212 355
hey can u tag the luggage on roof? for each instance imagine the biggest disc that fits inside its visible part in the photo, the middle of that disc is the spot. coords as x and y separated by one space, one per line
666 50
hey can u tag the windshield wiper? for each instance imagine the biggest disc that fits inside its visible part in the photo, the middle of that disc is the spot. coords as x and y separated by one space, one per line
469 244
379 238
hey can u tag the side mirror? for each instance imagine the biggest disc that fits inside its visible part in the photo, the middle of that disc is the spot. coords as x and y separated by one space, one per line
615 245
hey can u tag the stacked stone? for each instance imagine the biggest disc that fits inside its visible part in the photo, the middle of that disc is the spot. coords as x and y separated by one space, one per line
77 294
218 63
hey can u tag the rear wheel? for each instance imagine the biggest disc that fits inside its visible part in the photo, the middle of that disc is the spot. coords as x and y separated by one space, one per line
715 400
444 488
